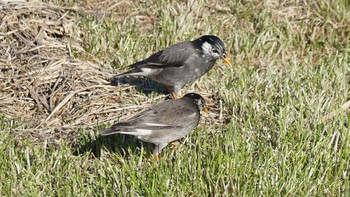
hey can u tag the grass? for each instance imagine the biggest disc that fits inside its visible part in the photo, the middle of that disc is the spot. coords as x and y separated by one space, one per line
291 68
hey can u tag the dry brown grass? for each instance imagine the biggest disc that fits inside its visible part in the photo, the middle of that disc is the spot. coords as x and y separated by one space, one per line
44 85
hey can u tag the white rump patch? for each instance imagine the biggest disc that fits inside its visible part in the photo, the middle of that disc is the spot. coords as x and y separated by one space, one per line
192 115
143 132
155 124
147 71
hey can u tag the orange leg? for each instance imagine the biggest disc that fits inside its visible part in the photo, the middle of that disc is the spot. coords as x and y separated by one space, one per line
173 95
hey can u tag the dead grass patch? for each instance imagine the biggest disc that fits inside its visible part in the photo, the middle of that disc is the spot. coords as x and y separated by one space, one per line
41 81
44 85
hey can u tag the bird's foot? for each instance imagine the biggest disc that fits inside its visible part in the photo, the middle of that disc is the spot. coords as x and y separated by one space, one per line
173 94
174 144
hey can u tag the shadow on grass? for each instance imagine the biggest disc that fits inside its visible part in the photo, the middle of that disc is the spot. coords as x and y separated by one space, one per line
121 144
142 84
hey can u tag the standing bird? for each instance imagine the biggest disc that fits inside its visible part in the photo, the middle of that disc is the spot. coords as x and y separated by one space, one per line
181 63
164 122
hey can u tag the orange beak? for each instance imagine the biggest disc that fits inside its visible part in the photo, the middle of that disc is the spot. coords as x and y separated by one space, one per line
226 59
206 110
207 103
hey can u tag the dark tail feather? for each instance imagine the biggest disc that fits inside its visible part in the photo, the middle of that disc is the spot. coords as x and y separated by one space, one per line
136 69
129 72
109 131
121 126
119 78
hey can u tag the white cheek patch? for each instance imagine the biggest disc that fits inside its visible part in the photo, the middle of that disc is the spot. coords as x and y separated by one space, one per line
207 48
215 55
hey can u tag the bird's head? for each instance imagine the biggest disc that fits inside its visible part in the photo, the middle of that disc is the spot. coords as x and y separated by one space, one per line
198 100
213 47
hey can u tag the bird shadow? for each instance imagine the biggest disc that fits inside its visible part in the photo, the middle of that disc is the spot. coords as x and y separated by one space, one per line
124 145
142 84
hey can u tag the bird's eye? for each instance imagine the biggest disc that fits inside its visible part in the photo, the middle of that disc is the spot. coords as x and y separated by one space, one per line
215 51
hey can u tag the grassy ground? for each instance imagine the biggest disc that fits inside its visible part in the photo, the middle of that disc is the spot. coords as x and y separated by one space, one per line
291 68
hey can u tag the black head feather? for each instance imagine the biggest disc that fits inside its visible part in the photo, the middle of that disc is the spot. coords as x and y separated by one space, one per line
214 41
196 98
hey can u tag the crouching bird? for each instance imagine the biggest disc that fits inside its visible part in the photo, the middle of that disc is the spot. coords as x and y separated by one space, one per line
164 122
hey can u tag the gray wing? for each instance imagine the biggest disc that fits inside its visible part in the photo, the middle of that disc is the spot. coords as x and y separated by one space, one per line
172 56
169 114
164 124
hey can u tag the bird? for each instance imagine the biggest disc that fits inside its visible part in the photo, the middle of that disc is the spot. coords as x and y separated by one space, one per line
164 122
181 63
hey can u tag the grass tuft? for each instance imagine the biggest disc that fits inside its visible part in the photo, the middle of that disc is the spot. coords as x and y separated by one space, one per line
278 128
